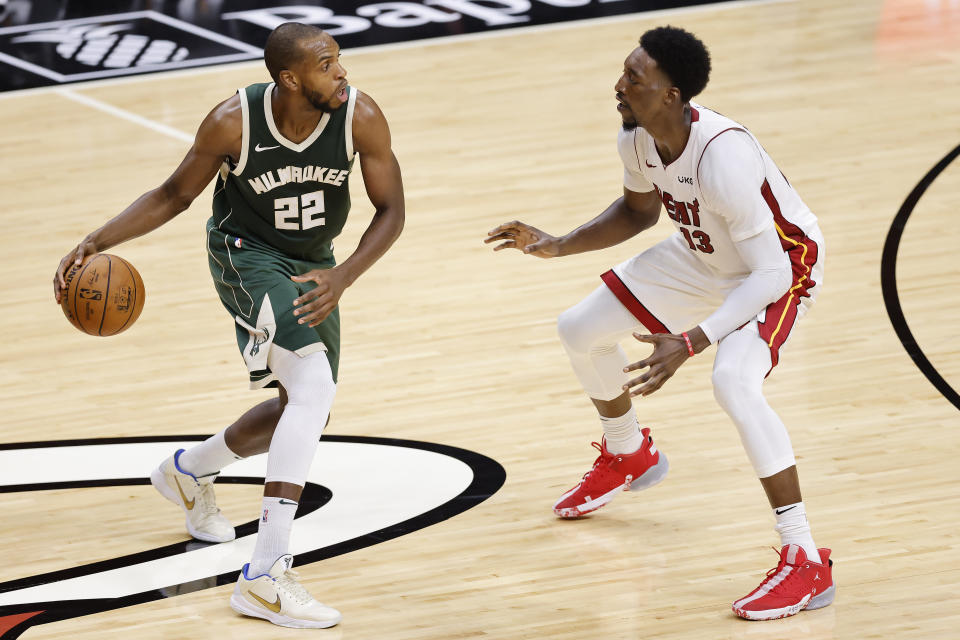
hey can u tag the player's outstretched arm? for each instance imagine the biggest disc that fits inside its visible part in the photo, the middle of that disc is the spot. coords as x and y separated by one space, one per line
384 185
519 235
625 218
217 138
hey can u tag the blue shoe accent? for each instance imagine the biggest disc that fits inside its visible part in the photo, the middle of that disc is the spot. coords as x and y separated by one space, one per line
246 577
176 464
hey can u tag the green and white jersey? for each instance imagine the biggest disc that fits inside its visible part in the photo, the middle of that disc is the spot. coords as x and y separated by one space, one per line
283 196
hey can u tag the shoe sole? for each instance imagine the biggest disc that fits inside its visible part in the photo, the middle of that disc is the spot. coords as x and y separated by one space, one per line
773 614
818 602
240 605
822 600
650 477
653 475
159 482
571 513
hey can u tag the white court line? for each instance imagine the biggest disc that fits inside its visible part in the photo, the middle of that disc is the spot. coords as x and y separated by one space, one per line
561 26
245 50
125 115
203 33
71 94
430 42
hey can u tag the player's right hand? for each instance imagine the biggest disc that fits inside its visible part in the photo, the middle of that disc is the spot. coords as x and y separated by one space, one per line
76 256
530 240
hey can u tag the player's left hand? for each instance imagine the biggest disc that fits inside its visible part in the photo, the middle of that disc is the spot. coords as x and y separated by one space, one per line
669 352
314 306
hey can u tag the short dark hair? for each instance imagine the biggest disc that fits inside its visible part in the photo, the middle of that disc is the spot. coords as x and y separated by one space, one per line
681 56
283 46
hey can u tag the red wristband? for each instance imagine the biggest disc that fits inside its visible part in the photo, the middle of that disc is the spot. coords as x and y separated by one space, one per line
686 339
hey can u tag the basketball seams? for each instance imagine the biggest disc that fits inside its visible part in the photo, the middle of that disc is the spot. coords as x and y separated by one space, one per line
102 294
106 292
133 297
75 291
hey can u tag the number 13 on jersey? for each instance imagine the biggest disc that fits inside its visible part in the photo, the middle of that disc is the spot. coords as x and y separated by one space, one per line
698 240
299 214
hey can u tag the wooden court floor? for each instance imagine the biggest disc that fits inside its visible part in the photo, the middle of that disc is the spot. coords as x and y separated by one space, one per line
446 342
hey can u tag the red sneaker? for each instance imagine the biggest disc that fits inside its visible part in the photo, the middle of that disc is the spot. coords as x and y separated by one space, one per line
612 473
794 585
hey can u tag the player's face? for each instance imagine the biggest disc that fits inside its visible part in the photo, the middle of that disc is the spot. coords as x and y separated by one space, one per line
323 79
640 89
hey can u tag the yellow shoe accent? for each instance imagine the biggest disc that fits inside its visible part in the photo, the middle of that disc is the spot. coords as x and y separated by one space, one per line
272 606
292 605
196 498
186 503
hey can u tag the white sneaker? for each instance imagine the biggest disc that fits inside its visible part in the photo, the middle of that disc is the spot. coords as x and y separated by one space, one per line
278 597
195 496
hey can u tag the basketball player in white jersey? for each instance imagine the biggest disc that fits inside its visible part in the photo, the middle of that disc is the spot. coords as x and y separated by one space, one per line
744 265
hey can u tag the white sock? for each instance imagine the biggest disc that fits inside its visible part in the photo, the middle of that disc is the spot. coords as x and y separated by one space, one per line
793 527
273 537
623 433
210 456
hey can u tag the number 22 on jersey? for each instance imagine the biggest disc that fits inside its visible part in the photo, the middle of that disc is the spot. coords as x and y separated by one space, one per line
299 214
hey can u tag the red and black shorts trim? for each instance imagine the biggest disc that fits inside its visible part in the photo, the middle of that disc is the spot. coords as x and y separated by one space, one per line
634 306
803 252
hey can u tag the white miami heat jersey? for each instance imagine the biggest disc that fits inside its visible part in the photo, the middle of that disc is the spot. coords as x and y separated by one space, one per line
722 188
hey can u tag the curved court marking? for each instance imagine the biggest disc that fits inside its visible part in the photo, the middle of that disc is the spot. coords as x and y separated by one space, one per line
361 491
888 281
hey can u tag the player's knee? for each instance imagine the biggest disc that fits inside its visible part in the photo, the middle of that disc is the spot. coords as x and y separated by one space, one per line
730 387
318 398
312 384
574 332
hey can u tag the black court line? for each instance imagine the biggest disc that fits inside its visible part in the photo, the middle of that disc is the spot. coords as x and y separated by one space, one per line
314 496
488 477
888 281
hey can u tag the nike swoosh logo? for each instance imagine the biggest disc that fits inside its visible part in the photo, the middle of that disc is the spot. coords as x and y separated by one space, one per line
652 166
272 606
282 501
187 503
259 148
778 512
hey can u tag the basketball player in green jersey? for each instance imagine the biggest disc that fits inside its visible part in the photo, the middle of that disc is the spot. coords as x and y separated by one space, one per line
282 153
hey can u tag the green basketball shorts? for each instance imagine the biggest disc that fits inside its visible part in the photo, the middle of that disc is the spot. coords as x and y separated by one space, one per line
254 285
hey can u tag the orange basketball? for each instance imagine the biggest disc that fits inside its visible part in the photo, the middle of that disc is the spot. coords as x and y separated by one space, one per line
104 295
